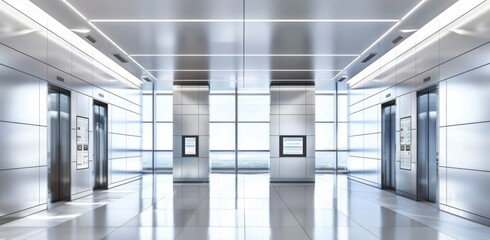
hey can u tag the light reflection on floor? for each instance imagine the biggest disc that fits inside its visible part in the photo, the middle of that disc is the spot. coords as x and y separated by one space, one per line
243 207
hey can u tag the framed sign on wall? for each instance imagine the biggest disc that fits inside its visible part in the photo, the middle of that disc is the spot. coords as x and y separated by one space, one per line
405 143
82 142
190 146
292 146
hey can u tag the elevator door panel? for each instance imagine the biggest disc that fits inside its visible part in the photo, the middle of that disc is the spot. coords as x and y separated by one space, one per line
388 147
427 146
100 147
59 168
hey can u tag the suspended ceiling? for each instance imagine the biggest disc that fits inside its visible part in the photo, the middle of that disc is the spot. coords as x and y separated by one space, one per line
251 41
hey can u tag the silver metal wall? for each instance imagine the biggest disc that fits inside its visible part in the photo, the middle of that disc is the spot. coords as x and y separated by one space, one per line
28 63
457 63
292 113
191 118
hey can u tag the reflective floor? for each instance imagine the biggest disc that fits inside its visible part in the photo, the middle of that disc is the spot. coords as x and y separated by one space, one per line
245 207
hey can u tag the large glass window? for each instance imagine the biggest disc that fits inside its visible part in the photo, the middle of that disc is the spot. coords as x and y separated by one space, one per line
222 108
253 108
253 131
253 136
222 136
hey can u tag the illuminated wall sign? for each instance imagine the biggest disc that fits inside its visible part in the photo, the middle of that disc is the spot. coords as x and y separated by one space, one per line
190 146
292 146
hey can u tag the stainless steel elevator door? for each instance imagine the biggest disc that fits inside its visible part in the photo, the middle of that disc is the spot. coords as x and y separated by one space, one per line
100 147
388 147
427 146
59 168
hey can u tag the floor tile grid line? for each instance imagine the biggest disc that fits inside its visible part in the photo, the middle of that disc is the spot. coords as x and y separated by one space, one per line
391 210
154 201
348 216
295 218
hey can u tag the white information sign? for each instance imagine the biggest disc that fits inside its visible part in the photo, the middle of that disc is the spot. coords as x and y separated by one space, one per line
292 146
405 143
190 146
82 142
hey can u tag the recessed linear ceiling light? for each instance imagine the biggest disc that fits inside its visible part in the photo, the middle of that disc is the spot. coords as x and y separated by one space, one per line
246 55
240 70
81 30
383 36
241 20
408 30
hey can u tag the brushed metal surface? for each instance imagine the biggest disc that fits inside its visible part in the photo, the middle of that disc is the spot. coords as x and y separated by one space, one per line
465 94
101 147
356 126
371 119
274 166
467 146
203 168
100 76
81 86
310 146
190 95
190 168
190 124
59 53
21 195
469 60
19 145
406 65
292 124
19 91
118 120
203 146
467 191
292 168
454 44
388 147
54 76
33 43
203 125
292 95
442 103
310 125
82 65
84 104
22 62
371 146
177 167
190 109
204 95
285 109
274 147
427 54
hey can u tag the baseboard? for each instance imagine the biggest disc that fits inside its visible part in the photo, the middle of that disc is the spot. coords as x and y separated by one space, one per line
464 214
23 213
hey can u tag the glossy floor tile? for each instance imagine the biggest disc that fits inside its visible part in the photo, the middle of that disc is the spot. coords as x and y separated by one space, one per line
246 206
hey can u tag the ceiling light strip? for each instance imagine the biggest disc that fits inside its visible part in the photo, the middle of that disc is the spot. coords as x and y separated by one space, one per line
246 55
450 15
75 10
383 36
241 70
109 39
246 20
122 50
